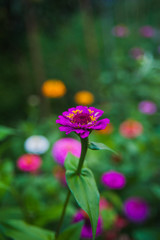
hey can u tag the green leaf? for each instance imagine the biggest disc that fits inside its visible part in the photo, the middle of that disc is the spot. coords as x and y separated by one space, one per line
146 234
73 232
71 162
155 189
9 213
84 189
99 146
4 186
53 213
19 230
5 132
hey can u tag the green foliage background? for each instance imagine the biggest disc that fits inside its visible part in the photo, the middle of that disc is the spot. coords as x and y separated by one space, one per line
72 41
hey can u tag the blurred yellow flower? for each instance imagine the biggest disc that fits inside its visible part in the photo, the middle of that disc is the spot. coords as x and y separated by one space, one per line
53 89
84 98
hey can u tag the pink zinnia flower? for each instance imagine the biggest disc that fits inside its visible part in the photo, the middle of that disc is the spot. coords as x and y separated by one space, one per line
29 162
82 120
136 209
120 31
64 146
131 129
147 107
137 53
113 180
87 229
147 31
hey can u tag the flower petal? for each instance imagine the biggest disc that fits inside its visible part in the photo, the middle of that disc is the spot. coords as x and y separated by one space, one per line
63 121
66 129
84 134
97 112
101 124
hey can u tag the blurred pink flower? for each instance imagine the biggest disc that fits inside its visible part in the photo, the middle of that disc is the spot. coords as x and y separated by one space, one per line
147 31
113 180
137 53
131 128
147 107
120 31
104 204
29 162
136 209
87 229
64 146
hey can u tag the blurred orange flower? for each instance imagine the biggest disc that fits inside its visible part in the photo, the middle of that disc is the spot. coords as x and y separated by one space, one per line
53 89
131 128
84 98
108 130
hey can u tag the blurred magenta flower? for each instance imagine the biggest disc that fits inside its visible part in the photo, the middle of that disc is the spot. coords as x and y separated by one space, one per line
131 128
29 162
87 229
120 31
82 120
147 31
113 180
137 53
36 144
64 146
147 107
136 209
59 174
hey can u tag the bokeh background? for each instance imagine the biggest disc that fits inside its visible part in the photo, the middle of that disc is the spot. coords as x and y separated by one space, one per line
60 54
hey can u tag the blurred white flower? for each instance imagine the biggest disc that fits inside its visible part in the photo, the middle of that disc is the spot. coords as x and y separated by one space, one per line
36 144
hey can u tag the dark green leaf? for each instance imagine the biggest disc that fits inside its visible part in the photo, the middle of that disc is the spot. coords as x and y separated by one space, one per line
71 233
9 213
53 213
4 186
146 234
155 189
84 189
5 132
99 146
19 230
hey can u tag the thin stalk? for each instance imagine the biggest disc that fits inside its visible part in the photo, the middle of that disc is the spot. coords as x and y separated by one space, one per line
63 213
84 146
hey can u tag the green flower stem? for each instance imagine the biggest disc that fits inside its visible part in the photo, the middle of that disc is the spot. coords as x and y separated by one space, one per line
63 213
84 146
